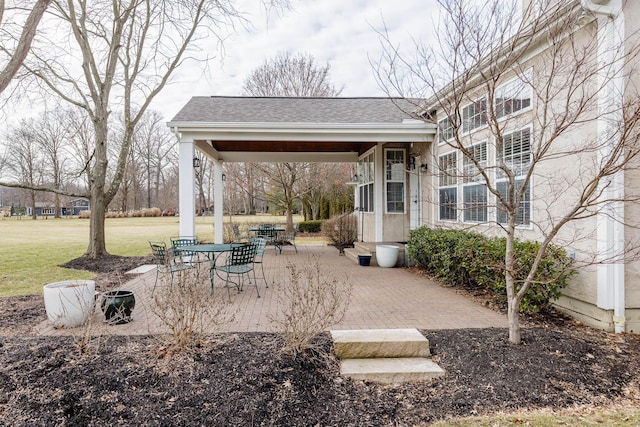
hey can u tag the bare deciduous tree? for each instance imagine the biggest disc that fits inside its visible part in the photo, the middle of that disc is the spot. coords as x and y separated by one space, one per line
291 75
520 97
25 160
295 76
16 56
121 54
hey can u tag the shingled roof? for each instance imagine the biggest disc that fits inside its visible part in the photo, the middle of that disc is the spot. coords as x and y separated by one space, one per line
226 109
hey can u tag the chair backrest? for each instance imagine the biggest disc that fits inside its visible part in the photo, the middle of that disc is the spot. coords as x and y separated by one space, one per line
261 245
178 242
242 254
268 233
159 250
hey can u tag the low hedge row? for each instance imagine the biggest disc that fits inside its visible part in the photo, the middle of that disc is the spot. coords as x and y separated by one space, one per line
471 260
313 226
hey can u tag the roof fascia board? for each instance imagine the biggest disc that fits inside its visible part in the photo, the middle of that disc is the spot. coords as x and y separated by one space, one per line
404 132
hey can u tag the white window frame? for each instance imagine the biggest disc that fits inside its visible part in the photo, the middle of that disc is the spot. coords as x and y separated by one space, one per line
445 130
476 208
521 171
395 173
366 177
514 161
447 181
473 181
474 115
48 211
513 92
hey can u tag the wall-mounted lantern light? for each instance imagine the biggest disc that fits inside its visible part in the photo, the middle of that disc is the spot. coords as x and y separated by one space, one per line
196 163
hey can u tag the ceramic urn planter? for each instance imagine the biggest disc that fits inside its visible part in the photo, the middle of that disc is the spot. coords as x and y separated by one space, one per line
386 255
69 303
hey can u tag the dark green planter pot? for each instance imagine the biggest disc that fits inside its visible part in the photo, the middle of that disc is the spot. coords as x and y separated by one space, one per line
117 306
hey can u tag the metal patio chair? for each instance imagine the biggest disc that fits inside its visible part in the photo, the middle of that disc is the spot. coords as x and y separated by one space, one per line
166 262
261 245
288 239
270 235
188 257
239 263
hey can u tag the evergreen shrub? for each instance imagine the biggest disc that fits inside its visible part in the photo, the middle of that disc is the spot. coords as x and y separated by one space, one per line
471 260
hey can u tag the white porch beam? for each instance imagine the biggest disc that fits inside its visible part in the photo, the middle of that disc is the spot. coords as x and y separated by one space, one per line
186 187
218 203
378 189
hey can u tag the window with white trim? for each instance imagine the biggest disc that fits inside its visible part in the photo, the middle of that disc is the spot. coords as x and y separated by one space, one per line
474 192
478 153
474 115
395 179
513 96
445 130
515 152
523 213
48 211
475 203
365 182
448 191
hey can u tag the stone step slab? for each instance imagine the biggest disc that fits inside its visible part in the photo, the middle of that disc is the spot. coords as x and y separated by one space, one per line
379 343
391 370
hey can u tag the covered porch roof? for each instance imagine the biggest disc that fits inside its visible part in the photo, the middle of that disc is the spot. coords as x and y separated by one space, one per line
264 129
285 129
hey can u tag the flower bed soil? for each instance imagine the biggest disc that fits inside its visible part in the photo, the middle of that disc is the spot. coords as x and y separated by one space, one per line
246 379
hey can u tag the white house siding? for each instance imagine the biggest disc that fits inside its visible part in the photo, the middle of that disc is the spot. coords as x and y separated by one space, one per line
555 185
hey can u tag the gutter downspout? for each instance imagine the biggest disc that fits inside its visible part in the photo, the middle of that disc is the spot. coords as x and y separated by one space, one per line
611 273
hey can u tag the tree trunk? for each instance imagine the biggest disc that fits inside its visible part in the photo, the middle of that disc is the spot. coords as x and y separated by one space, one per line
513 302
97 246
33 204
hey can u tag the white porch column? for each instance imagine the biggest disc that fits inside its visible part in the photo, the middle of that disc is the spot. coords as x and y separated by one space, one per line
186 188
378 189
218 203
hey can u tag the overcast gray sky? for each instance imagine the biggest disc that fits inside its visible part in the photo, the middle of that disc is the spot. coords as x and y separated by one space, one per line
341 32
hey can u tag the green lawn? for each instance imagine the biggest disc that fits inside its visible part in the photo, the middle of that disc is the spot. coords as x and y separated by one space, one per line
31 251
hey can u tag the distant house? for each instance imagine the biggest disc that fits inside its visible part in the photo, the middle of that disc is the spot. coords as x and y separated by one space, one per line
79 205
42 209
48 209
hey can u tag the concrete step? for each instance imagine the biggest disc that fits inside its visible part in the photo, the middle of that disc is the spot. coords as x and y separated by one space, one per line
391 370
379 343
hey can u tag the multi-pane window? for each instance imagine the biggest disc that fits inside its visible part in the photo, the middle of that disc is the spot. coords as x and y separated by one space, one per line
478 152
445 130
365 182
48 211
523 212
512 97
447 180
515 152
395 180
475 203
474 115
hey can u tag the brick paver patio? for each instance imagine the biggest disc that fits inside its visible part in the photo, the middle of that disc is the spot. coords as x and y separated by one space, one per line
381 298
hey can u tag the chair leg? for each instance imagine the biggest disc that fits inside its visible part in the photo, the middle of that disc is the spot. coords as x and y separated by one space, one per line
156 283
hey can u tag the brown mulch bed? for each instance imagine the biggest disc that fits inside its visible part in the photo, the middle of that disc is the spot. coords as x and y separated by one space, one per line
245 379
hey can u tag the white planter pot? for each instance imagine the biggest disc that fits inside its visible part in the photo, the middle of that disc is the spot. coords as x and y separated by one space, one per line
69 303
386 255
